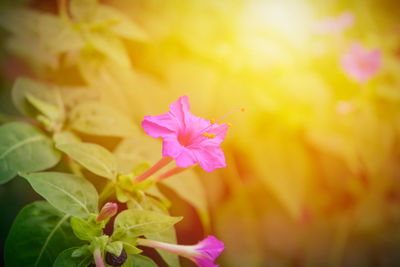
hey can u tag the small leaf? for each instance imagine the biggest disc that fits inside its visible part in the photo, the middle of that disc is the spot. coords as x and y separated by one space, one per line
142 261
93 157
68 193
65 259
98 119
37 236
140 222
85 230
115 248
31 97
24 148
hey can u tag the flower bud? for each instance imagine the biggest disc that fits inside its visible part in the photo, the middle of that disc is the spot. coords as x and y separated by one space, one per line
107 211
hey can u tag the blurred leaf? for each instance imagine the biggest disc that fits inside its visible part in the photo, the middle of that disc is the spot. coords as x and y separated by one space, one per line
135 150
38 235
111 46
23 148
98 119
57 35
83 9
19 21
93 157
65 137
42 97
65 259
140 222
69 193
119 23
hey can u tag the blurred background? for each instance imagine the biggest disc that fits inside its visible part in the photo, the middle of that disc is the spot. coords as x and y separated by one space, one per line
313 176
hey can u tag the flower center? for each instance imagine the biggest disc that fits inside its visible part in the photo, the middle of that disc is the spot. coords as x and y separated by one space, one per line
184 139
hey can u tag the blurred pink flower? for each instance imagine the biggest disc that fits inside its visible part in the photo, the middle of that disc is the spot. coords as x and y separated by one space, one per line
335 24
186 138
361 64
203 253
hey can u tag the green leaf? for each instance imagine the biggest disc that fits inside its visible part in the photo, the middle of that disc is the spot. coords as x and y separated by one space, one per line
93 157
37 236
119 23
31 97
98 119
115 248
85 230
189 187
65 259
69 193
142 261
140 222
23 148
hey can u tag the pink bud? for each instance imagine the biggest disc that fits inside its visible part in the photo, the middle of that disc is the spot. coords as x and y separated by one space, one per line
107 211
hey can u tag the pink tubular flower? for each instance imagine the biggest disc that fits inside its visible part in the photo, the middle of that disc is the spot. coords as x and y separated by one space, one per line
361 64
186 138
203 253
335 24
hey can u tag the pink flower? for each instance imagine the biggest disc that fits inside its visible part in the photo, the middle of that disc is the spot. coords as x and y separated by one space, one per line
207 251
361 64
203 253
335 24
187 138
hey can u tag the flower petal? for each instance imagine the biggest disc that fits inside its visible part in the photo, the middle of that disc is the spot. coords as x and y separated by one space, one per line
159 125
210 157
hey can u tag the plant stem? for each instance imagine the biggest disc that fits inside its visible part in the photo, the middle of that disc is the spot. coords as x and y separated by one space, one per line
156 167
181 250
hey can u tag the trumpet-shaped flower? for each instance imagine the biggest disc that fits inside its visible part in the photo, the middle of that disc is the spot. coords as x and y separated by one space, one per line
361 64
335 25
203 253
187 138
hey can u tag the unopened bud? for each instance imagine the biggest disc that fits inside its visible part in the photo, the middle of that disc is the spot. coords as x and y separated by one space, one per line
107 211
